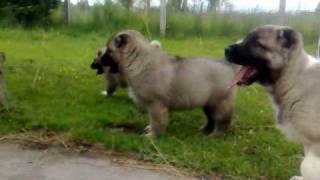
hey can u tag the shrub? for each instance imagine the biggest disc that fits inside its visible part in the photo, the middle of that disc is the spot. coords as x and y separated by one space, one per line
27 12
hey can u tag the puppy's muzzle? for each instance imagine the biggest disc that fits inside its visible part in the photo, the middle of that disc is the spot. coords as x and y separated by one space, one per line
229 51
94 65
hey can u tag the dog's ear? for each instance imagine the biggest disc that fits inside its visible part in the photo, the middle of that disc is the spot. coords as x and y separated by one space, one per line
99 52
287 37
121 40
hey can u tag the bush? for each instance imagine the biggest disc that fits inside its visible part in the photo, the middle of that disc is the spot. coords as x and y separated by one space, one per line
27 12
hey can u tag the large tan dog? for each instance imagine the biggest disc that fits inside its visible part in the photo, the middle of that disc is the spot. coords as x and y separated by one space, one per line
161 82
274 57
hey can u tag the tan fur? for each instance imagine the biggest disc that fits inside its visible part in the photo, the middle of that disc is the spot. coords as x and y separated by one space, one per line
114 80
163 83
294 88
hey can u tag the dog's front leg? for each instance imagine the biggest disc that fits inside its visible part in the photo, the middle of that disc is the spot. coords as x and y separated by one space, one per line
158 115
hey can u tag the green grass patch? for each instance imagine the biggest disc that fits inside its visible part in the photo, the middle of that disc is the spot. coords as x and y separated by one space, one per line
51 87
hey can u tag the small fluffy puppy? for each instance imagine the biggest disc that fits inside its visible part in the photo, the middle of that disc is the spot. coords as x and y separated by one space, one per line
274 57
162 83
113 77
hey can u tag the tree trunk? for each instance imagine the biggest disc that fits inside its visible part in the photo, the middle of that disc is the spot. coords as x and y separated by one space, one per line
130 5
163 20
213 5
184 5
66 12
147 5
318 50
282 10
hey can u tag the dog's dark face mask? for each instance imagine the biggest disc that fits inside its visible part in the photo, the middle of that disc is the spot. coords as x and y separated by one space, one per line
104 59
107 60
96 64
262 54
98 67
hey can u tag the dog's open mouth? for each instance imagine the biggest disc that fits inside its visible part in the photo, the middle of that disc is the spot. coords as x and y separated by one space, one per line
245 76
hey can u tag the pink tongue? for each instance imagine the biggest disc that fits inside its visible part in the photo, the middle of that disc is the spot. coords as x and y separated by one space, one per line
245 70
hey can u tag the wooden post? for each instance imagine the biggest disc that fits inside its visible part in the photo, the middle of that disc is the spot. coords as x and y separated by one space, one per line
67 12
282 10
318 50
163 18
147 5
129 5
184 5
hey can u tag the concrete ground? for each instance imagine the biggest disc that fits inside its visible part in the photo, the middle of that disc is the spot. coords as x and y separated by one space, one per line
17 163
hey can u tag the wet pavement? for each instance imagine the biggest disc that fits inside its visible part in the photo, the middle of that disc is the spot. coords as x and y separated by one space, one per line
17 163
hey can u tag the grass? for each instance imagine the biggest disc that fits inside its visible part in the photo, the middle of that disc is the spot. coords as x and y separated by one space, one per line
51 88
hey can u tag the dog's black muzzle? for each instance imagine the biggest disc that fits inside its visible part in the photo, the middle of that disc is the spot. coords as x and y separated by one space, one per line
98 67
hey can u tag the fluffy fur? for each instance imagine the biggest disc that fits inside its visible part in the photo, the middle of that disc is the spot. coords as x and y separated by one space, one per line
274 57
162 83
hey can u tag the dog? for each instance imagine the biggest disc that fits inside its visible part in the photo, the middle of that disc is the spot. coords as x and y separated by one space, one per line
162 82
113 77
274 57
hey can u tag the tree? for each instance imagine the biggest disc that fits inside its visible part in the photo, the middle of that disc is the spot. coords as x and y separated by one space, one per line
66 12
147 4
318 8
180 5
27 12
163 17
282 10
174 4
184 5
83 4
213 5
282 7
127 4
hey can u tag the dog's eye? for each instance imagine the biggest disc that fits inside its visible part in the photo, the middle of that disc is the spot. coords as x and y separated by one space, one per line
259 45
109 52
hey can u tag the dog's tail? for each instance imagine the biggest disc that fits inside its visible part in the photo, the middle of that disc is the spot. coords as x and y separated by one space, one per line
156 44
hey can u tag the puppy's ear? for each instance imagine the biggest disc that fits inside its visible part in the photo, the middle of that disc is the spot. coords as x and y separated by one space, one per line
287 37
121 40
99 52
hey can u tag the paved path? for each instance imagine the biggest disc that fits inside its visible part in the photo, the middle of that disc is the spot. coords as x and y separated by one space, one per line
23 164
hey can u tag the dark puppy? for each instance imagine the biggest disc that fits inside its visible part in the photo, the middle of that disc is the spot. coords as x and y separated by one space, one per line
114 78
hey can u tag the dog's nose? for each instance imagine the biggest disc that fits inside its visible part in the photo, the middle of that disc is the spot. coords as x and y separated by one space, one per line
227 51
93 65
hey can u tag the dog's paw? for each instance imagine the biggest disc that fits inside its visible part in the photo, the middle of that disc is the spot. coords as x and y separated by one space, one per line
296 178
150 135
147 128
104 93
216 133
